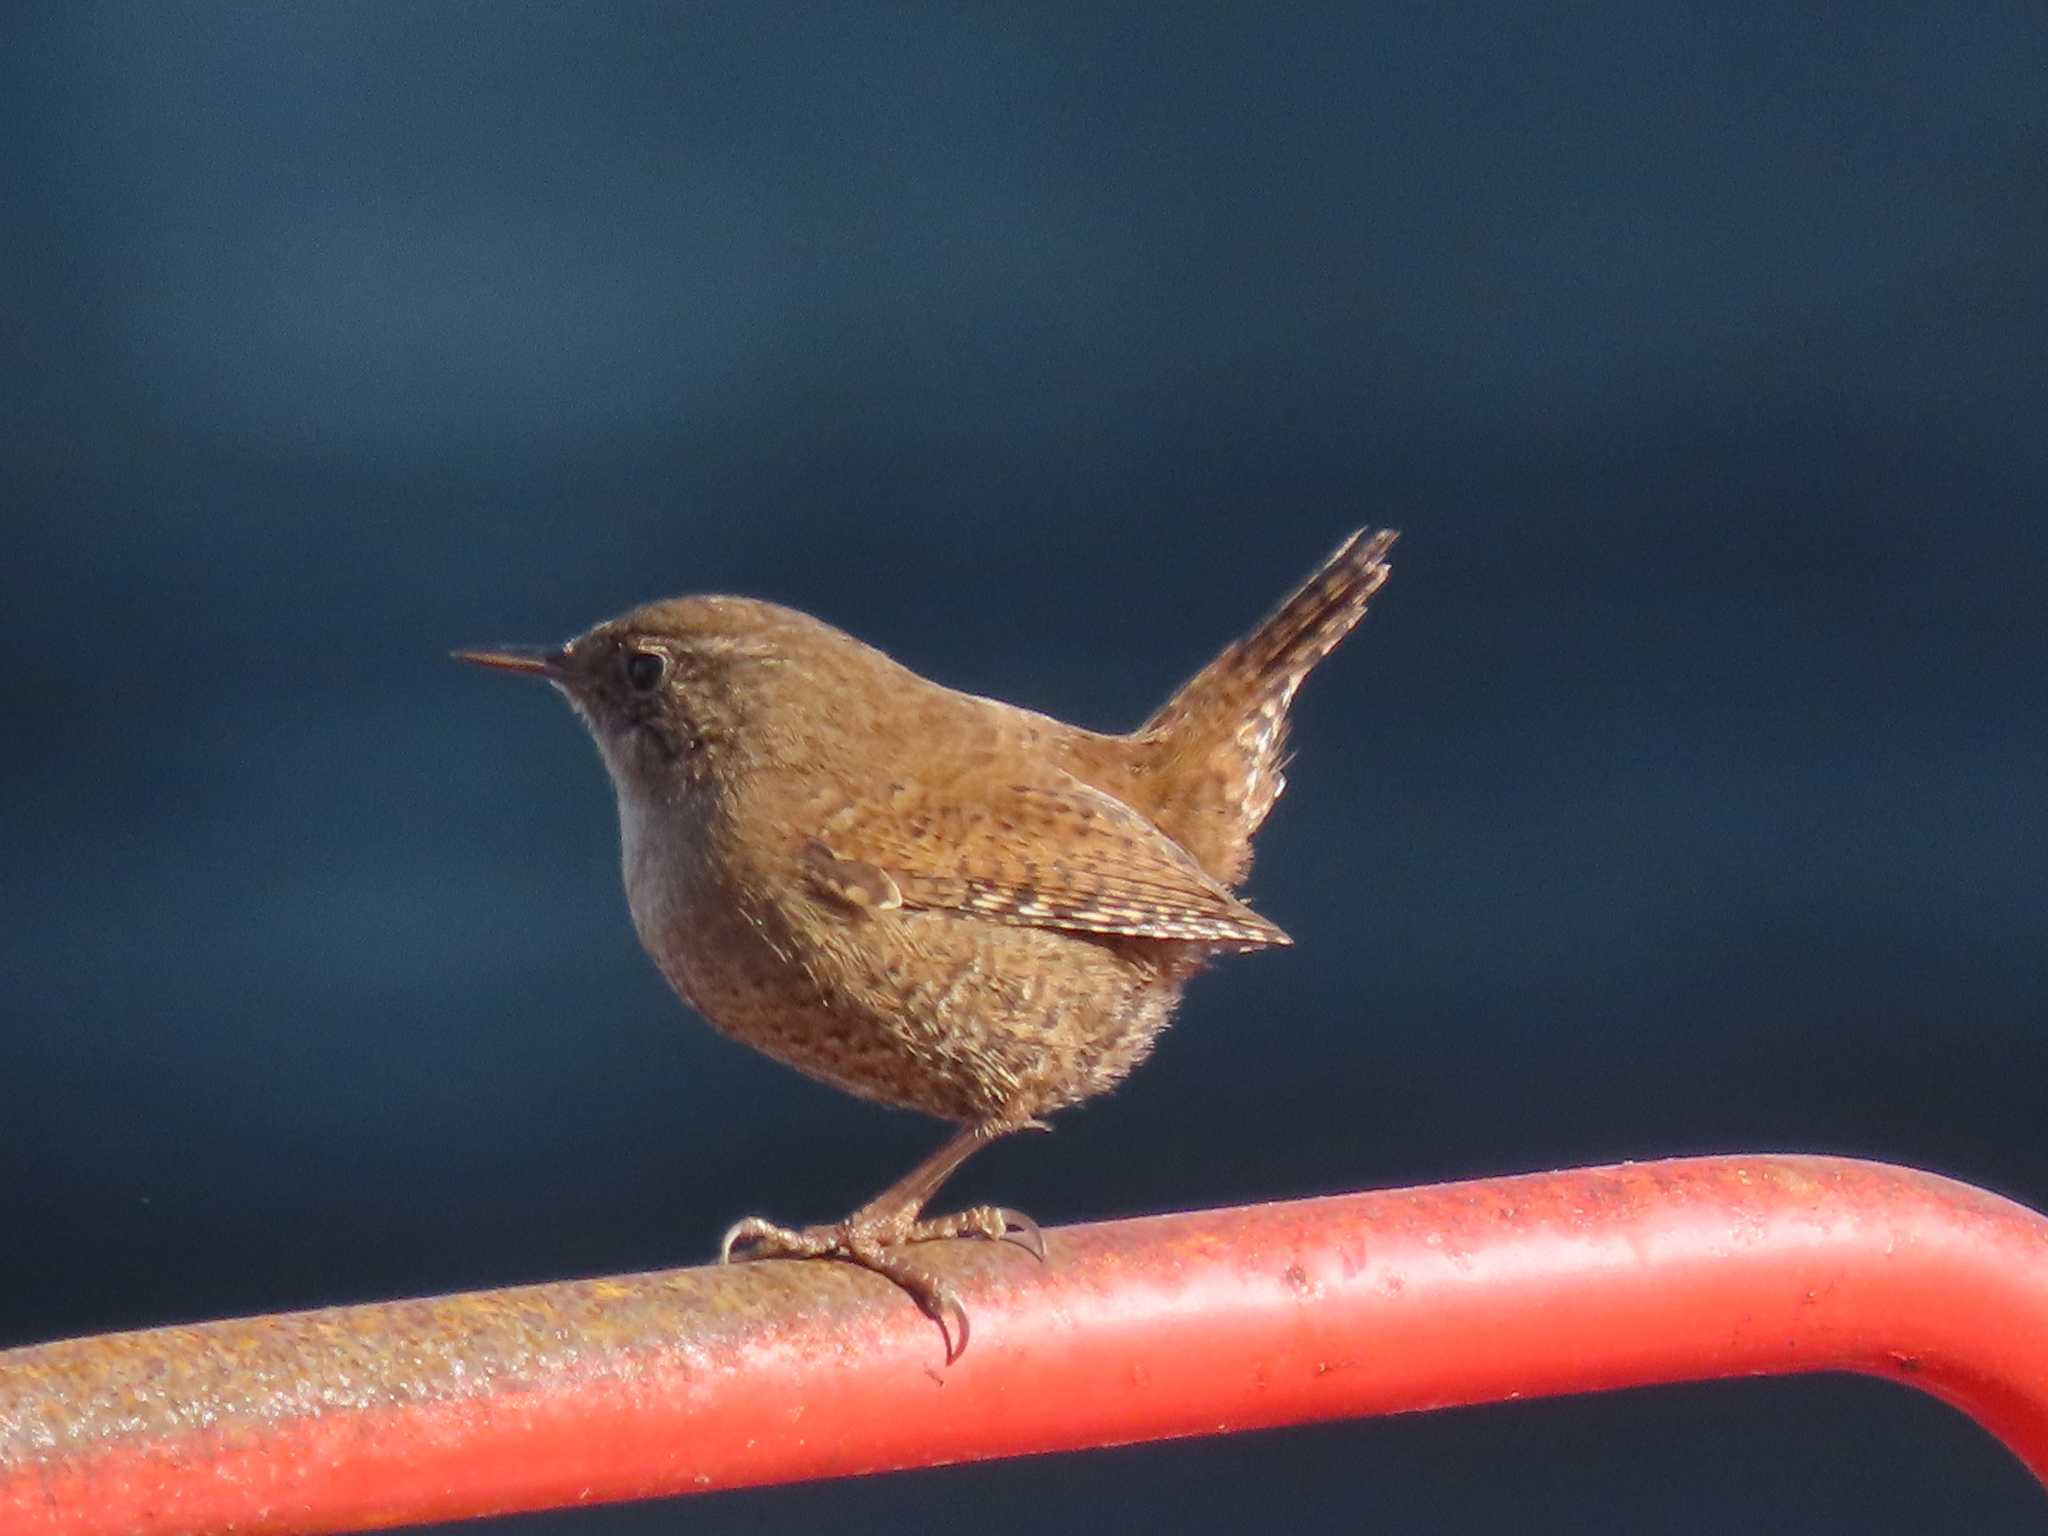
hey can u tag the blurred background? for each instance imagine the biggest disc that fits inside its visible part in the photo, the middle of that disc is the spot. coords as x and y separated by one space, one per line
1684 792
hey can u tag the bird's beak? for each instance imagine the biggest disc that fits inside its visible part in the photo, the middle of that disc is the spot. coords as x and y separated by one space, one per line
540 660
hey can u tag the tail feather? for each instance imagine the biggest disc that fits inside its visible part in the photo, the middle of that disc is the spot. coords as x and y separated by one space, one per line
1220 739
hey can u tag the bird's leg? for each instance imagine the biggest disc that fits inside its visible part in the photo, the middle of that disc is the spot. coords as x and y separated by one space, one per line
876 1236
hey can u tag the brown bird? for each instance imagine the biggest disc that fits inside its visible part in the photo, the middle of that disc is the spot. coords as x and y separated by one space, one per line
926 898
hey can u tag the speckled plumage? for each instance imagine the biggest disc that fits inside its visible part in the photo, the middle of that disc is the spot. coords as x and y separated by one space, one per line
923 897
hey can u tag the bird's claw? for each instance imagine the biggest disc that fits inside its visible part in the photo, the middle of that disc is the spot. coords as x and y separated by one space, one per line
880 1248
765 1240
1023 1231
938 1303
738 1232
997 1223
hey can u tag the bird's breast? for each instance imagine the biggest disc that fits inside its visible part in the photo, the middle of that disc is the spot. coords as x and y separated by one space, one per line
666 861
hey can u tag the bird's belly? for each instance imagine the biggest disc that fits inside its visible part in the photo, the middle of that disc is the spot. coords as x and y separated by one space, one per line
931 1011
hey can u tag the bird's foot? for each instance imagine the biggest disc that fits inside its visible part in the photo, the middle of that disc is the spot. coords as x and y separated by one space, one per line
881 1243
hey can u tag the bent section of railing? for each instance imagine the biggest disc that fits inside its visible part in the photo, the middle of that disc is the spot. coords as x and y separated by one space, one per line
586 1391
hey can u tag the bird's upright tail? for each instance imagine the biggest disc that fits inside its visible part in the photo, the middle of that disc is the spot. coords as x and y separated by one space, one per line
1221 738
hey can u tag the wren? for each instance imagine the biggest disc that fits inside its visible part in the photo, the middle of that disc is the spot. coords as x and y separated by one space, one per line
929 899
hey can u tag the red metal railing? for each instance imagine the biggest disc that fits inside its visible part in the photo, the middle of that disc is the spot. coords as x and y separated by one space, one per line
593 1390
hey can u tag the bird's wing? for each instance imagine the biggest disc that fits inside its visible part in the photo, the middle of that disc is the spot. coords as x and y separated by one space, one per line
1056 855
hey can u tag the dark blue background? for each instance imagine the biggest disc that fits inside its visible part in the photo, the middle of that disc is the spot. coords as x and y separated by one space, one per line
1684 791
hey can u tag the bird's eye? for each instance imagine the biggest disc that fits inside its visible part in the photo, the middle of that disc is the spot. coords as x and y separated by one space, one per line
644 670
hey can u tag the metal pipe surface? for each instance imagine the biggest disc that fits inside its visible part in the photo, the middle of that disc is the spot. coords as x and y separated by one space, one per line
585 1391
